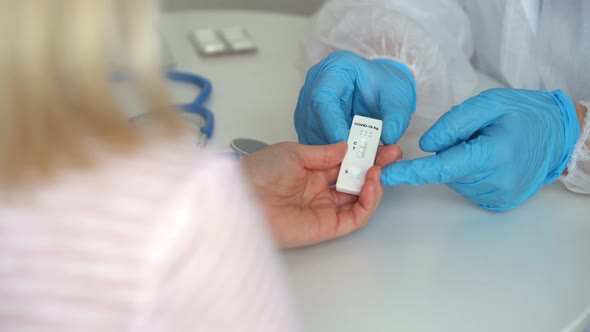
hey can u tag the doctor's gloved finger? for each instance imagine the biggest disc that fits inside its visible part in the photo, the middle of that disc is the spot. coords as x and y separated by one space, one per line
413 172
331 104
460 123
396 119
320 99
332 123
388 154
459 161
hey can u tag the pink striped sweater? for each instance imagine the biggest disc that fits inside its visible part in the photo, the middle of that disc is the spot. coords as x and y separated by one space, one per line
167 239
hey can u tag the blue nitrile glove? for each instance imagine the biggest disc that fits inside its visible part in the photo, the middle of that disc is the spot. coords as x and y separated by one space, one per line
497 149
344 85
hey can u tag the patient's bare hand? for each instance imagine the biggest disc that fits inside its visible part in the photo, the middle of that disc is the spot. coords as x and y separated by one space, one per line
293 184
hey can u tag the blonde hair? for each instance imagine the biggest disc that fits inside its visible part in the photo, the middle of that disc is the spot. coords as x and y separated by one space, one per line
57 59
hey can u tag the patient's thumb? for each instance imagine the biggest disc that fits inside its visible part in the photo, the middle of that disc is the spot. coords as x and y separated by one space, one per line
322 156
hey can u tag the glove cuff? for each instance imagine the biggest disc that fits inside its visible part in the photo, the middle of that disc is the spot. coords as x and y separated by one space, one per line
407 72
577 178
571 130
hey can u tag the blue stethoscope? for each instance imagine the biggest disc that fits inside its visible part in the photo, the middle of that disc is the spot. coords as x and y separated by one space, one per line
195 107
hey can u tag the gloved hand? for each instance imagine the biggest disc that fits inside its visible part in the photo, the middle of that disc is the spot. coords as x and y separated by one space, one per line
496 149
344 85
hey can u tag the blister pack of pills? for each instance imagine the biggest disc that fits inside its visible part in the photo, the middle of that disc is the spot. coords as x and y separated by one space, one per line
224 41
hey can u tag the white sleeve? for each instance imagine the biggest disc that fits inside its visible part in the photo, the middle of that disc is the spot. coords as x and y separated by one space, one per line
432 37
220 271
577 178
564 47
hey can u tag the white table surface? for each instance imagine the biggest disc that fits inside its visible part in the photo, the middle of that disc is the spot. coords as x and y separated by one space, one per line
429 260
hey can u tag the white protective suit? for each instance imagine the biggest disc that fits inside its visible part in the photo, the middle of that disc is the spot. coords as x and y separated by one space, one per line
529 44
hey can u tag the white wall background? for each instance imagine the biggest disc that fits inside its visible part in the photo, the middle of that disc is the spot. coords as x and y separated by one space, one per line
303 7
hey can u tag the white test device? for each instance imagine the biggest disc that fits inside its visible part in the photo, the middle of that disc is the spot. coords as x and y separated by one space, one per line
363 141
